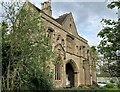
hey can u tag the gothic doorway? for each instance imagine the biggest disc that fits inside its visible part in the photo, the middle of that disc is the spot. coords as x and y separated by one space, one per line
69 75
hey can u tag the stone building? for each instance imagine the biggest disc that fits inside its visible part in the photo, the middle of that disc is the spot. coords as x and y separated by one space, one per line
74 65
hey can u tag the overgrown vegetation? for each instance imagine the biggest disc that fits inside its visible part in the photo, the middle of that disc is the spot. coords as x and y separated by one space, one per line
111 88
26 50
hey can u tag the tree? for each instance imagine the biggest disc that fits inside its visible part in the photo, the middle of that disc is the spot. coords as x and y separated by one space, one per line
94 61
110 42
27 51
94 55
102 69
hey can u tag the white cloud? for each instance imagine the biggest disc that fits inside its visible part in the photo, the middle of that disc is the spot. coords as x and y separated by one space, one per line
87 16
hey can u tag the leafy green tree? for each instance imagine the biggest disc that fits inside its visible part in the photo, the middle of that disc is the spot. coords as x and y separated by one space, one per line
94 56
94 53
27 53
110 43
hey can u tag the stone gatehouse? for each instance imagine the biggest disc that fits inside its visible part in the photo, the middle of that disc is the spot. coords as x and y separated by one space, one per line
74 67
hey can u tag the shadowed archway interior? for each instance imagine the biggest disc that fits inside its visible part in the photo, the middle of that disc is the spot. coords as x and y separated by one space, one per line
69 75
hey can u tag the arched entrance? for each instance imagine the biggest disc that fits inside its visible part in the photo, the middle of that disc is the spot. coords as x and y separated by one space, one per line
71 74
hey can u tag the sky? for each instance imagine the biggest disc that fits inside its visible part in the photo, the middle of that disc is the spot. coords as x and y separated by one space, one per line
87 15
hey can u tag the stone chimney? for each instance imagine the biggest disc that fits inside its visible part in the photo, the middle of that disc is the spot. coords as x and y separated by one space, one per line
46 7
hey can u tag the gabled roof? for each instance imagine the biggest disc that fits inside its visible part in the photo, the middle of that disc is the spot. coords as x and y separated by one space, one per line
61 18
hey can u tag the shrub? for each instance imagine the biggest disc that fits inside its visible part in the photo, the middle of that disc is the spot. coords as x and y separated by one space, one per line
41 82
85 87
104 88
110 85
94 87
118 85
112 81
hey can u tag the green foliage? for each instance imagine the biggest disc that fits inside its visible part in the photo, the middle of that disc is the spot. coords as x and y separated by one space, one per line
110 43
93 53
93 57
26 53
110 85
114 4
94 87
104 88
40 82
118 85
85 87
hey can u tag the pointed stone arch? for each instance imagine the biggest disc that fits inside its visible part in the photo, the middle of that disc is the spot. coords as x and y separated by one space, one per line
51 33
71 73
74 65
58 67
60 50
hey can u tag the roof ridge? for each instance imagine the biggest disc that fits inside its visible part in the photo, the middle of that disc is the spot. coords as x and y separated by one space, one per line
61 18
63 15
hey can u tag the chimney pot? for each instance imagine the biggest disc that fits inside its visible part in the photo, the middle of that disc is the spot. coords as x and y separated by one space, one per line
46 7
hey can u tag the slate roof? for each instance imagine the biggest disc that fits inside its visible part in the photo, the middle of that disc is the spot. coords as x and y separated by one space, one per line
61 18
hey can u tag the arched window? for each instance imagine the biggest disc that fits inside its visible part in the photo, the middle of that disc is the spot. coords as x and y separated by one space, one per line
58 69
50 33
70 43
